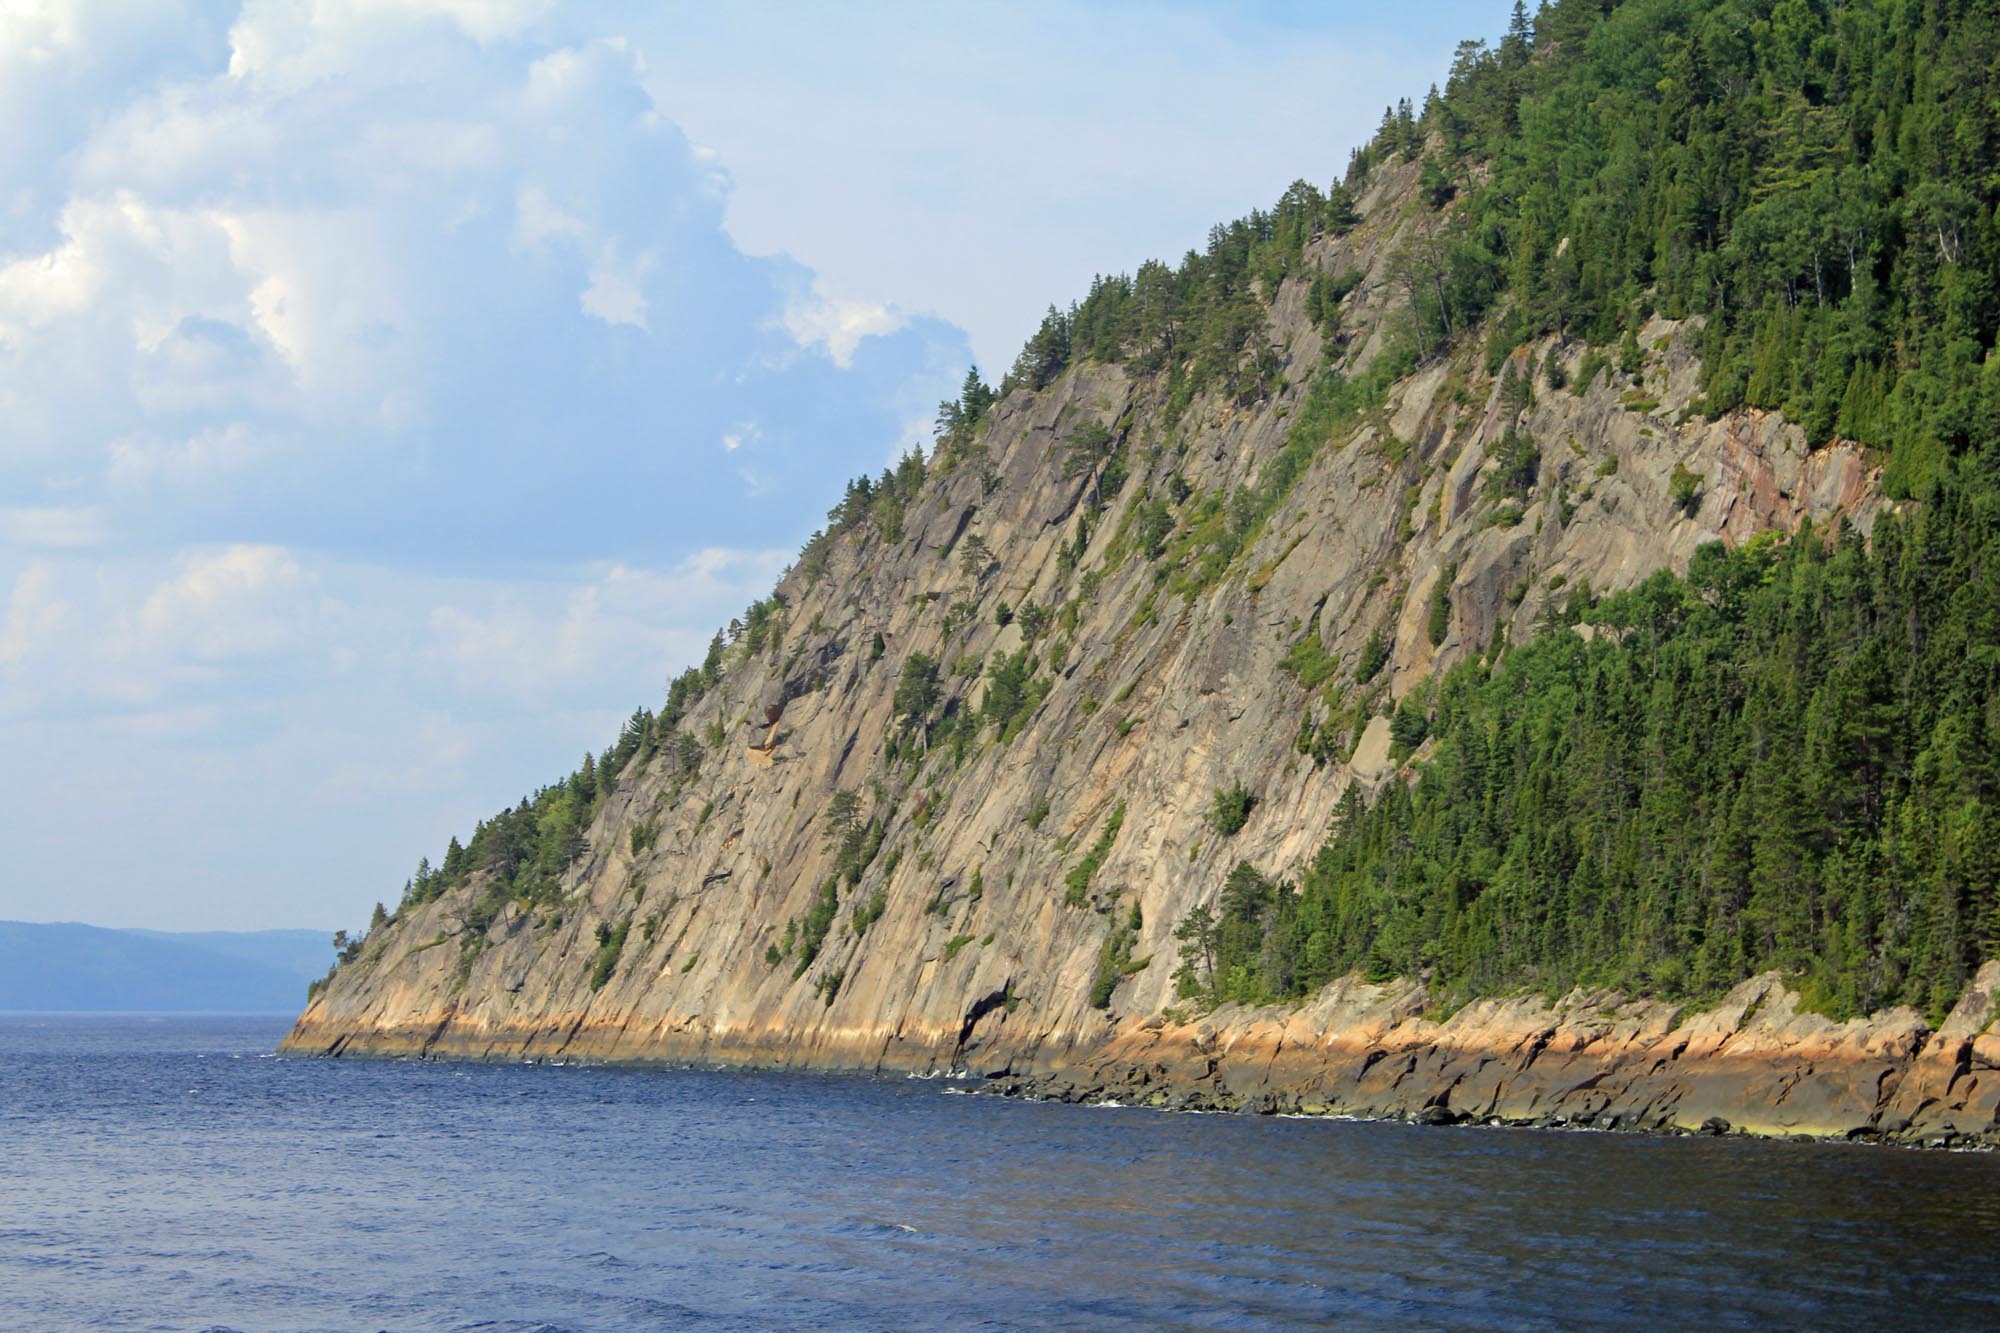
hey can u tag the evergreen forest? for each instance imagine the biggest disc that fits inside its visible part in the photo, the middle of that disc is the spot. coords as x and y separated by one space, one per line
1787 758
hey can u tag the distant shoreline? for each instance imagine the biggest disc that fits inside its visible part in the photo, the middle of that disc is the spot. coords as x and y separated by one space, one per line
70 967
280 1015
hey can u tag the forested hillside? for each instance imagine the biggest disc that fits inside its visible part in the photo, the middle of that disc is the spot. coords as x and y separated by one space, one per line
1785 759
1559 553
1814 179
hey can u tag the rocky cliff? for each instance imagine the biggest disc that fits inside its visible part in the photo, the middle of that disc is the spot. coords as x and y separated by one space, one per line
1015 908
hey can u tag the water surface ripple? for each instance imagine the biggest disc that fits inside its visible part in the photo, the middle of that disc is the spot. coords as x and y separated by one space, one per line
168 1174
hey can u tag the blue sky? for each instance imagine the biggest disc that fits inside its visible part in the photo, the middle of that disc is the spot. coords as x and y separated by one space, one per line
394 394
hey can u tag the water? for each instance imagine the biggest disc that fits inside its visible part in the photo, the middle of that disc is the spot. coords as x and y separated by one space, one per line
167 1174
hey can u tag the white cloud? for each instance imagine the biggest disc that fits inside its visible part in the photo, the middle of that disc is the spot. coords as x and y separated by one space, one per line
138 308
523 644
63 68
37 33
35 291
616 293
169 144
538 219
327 291
139 461
485 20
432 147
301 243
562 80
837 326
240 601
291 44
361 368
364 280
53 528
984 159
34 613
93 635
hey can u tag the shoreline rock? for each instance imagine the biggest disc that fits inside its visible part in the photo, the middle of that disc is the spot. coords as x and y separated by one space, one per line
1751 1065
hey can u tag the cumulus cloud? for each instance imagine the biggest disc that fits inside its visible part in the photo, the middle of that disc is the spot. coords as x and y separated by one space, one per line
129 635
236 602
617 292
34 292
292 45
537 219
363 366
361 372
422 267
145 460
55 526
34 613
836 326
515 646
985 158
246 712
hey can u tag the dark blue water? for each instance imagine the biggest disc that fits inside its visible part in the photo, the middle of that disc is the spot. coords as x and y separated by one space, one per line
165 1174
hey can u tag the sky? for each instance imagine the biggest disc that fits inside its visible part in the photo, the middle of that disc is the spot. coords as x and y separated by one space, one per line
396 393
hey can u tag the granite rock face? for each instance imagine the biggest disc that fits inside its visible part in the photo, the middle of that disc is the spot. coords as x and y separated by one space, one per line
1159 692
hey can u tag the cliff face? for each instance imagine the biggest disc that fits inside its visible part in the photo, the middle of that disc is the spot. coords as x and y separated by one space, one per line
1159 691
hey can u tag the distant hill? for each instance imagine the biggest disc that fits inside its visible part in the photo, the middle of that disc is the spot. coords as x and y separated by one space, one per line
67 966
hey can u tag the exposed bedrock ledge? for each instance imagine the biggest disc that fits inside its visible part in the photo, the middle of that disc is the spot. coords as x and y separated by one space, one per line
1751 1064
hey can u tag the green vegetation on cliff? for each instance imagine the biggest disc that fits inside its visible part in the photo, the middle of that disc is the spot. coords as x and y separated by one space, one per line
521 852
1786 758
1816 180
1789 758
